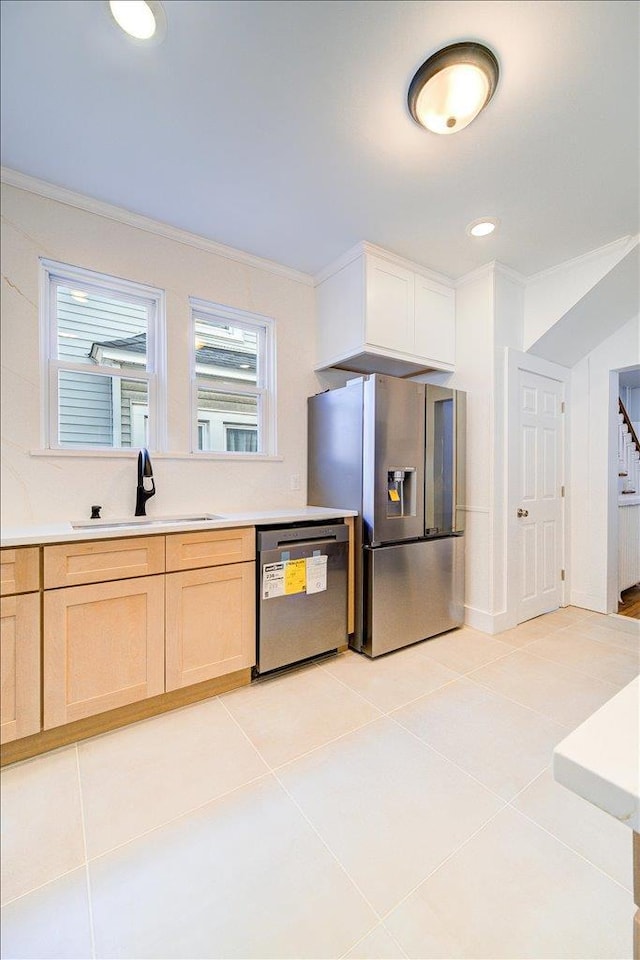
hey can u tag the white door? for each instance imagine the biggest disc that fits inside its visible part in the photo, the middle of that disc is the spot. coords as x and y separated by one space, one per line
539 514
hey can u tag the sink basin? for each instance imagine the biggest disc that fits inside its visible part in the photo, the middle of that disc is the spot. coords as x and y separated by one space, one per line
145 522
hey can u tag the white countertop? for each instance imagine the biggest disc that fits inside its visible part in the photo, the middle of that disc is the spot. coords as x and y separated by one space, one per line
600 759
64 532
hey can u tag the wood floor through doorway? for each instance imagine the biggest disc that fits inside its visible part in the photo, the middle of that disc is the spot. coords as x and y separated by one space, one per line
630 603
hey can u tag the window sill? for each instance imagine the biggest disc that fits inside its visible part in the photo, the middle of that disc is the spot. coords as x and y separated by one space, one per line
155 455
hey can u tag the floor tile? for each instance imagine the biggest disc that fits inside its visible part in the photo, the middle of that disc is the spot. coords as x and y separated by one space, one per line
464 650
295 713
53 921
541 626
390 681
553 690
41 821
514 891
616 636
589 831
378 945
622 625
244 876
502 744
596 659
139 777
388 807
565 616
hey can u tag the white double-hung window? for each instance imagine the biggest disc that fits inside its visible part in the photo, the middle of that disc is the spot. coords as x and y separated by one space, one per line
233 381
103 360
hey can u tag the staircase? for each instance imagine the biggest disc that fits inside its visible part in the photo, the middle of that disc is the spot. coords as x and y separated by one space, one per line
628 502
628 455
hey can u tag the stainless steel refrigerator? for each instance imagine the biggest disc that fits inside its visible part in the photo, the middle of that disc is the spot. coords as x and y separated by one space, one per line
394 450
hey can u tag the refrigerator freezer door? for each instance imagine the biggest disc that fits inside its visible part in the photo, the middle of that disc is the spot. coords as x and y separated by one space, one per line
393 446
414 591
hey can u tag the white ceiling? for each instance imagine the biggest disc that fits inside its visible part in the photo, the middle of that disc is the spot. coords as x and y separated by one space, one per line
281 128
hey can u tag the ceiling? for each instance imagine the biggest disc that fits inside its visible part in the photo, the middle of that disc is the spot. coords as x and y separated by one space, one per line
280 127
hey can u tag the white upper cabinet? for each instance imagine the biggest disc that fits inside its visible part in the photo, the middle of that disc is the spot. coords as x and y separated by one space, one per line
379 313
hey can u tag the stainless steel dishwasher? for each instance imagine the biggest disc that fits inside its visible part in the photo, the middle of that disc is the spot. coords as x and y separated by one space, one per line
302 593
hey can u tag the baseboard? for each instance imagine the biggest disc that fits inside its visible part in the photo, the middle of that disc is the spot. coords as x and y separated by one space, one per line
488 622
587 601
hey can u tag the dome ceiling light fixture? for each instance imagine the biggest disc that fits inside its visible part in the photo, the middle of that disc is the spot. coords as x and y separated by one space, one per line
453 86
482 227
143 20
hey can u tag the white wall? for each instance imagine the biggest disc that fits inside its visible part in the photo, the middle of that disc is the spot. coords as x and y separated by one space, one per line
474 374
594 392
551 294
40 489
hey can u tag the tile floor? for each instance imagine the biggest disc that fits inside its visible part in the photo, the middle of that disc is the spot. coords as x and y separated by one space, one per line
401 807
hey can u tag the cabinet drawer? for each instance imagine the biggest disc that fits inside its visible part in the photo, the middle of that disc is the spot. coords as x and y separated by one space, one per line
19 570
209 548
72 564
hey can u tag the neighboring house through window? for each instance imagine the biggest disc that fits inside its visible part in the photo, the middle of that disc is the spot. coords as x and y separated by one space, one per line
104 356
233 380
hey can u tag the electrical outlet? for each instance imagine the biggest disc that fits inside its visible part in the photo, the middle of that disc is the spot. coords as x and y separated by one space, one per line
294 481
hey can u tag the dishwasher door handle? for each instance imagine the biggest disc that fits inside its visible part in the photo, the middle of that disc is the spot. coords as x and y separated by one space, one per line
312 542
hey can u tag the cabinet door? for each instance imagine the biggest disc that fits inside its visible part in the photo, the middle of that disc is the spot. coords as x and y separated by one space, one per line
19 570
103 647
20 666
390 305
210 623
434 321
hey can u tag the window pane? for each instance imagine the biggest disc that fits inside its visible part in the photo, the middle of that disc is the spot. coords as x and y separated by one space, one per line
97 411
227 422
241 439
101 330
226 353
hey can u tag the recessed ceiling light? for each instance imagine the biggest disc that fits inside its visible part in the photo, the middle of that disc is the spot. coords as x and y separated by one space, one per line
140 19
453 86
482 227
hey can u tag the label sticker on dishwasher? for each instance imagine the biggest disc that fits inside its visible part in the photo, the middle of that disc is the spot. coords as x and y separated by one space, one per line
295 576
316 574
272 580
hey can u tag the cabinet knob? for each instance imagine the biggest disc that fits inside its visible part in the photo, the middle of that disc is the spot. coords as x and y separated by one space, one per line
522 513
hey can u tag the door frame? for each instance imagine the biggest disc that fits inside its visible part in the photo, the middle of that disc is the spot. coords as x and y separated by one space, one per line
515 360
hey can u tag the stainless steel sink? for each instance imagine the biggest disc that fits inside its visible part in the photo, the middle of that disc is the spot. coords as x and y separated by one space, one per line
145 522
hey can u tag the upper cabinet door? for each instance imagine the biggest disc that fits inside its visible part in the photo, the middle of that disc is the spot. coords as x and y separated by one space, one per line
390 305
434 320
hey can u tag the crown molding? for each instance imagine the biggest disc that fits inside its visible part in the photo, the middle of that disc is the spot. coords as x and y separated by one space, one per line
70 198
365 247
509 273
623 244
480 273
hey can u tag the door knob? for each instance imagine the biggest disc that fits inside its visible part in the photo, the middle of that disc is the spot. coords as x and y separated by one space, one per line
522 513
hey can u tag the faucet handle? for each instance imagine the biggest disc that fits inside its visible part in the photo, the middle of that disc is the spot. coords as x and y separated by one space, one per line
95 512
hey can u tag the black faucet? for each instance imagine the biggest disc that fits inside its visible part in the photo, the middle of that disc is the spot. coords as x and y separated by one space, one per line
142 494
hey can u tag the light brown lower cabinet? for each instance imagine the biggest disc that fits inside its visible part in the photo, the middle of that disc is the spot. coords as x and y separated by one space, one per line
19 666
103 647
210 623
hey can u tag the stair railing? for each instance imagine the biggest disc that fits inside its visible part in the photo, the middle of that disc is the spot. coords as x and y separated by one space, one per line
628 424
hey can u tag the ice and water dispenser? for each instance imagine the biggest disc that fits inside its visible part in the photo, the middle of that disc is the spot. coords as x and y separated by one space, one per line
401 492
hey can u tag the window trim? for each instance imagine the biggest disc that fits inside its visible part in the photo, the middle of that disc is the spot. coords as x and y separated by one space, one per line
264 389
53 272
